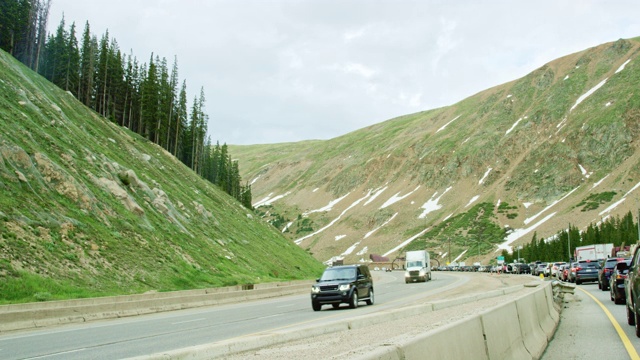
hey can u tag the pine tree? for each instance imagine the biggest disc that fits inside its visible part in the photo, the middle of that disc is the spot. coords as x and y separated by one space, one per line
181 120
87 66
149 105
73 62
102 75
14 24
172 103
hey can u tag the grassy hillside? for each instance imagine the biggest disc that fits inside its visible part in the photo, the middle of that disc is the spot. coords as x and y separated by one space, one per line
89 209
541 144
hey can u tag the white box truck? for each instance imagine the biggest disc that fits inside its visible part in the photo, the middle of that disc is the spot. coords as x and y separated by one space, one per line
417 266
593 252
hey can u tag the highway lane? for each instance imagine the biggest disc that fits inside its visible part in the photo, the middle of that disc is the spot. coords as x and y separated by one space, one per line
587 332
618 312
135 336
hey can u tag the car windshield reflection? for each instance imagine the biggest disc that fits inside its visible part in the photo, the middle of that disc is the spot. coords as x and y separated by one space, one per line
338 274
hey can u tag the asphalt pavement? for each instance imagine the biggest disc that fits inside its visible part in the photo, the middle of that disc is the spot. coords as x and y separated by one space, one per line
592 327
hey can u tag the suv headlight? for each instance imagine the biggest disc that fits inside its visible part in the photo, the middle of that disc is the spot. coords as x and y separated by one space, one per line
315 289
344 287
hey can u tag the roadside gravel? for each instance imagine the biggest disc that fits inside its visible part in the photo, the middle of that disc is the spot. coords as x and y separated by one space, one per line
356 341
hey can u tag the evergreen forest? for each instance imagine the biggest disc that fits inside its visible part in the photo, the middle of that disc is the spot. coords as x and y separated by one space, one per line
621 232
146 97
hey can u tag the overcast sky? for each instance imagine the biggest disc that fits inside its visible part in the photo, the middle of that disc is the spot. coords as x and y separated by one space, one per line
283 71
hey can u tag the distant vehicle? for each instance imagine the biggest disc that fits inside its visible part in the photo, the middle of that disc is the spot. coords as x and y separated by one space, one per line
563 272
547 270
632 287
418 266
587 270
572 272
540 269
605 272
348 284
520 268
554 269
617 281
593 252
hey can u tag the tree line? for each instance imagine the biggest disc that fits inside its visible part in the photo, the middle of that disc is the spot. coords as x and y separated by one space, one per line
142 97
618 231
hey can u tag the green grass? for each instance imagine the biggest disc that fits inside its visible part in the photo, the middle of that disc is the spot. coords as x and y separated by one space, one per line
63 235
593 201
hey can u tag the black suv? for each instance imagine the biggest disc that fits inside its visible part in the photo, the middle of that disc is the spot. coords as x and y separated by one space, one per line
604 274
342 284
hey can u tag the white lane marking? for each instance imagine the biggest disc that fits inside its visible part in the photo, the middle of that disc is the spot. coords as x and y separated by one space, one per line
188 321
270 316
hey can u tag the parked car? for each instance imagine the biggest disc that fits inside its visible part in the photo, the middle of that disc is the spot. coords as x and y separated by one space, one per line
348 284
587 270
539 269
572 272
554 269
605 272
632 287
616 281
565 272
547 270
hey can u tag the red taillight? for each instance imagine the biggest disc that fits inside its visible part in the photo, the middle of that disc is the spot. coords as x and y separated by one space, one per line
621 277
578 268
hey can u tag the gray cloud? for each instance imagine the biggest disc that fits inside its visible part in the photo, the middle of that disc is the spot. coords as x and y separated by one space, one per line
282 71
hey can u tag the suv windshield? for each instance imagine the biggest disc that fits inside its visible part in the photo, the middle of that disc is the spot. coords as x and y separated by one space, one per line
338 274
610 264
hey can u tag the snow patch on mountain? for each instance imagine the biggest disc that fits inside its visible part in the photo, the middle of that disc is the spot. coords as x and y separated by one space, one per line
376 193
513 126
269 200
395 198
329 206
485 176
378 228
447 124
528 220
622 66
432 204
298 241
473 199
588 93
406 242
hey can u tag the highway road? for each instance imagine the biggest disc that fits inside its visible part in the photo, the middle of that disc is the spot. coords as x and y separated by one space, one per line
142 335
593 327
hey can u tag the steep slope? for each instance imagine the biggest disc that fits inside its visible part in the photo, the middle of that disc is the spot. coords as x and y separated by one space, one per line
557 146
88 208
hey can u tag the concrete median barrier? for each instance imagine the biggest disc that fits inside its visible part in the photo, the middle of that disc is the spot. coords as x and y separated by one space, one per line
535 339
510 331
502 331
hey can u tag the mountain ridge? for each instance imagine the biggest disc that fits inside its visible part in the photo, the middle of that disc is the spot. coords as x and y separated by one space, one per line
526 143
